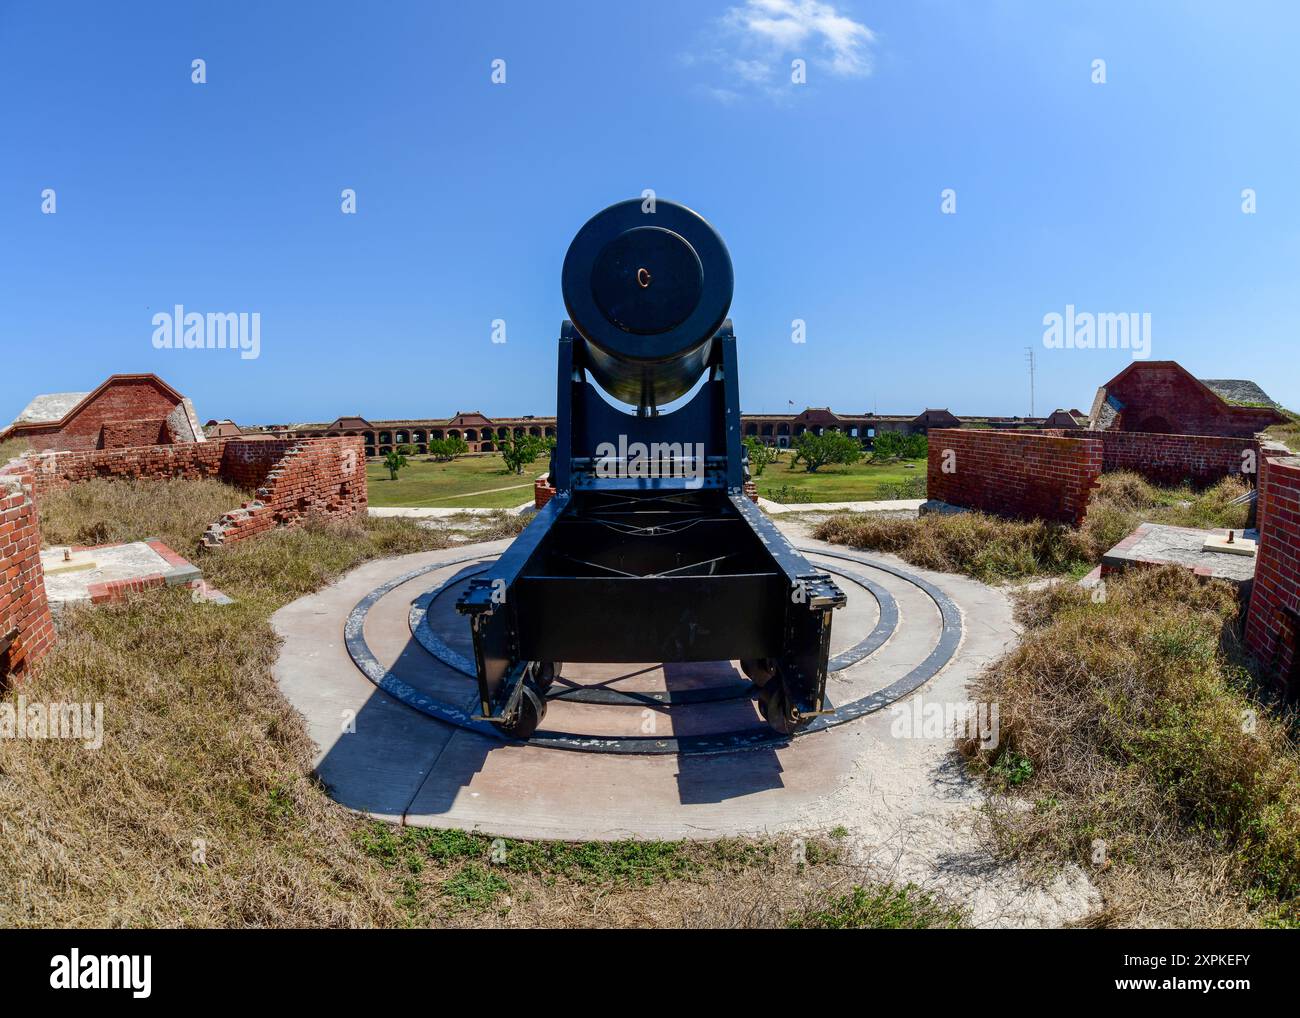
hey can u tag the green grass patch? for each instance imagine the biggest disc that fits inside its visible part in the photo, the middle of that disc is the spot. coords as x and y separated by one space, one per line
471 482
1288 434
880 907
626 862
857 482
474 872
474 887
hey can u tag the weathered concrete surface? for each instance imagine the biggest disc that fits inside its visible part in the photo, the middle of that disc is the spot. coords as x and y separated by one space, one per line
909 807
374 752
115 562
1160 544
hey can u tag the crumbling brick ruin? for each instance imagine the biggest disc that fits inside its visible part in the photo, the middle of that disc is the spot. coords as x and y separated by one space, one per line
318 477
293 480
124 411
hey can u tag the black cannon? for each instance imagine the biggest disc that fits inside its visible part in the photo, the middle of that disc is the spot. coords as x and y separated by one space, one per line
649 550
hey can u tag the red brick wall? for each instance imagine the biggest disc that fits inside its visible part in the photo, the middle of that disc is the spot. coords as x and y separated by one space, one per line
128 399
316 477
54 471
246 462
1271 630
128 434
22 581
1173 459
293 478
1021 474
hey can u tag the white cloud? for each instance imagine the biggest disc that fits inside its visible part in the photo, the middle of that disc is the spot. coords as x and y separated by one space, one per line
772 32
753 71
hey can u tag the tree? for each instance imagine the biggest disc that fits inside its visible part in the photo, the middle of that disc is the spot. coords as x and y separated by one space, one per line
816 451
395 460
444 450
520 450
896 445
760 455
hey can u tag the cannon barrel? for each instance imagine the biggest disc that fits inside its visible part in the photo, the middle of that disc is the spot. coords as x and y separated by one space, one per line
647 284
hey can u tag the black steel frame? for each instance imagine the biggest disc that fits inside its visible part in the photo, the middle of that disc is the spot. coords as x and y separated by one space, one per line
678 566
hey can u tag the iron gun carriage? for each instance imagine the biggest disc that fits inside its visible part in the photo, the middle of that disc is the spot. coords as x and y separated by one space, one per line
650 550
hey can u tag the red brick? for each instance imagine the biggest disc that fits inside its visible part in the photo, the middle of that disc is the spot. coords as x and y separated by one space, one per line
1275 600
22 583
1023 474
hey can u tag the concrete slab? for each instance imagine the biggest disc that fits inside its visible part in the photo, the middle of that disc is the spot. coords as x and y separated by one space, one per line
373 753
420 771
911 810
55 561
112 570
1156 544
936 507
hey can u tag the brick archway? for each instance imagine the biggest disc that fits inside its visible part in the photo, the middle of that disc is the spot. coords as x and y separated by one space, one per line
1155 425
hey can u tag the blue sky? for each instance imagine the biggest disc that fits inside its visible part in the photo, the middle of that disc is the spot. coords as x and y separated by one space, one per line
225 196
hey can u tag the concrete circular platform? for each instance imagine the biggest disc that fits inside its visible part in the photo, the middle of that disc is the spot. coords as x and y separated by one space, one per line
680 708
377 755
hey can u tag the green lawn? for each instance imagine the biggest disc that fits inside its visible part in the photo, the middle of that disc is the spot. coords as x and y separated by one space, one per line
862 481
423 484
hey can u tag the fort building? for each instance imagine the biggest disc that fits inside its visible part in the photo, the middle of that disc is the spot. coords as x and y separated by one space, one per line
483 433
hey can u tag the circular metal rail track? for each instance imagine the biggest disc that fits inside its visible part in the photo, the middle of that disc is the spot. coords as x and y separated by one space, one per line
757 737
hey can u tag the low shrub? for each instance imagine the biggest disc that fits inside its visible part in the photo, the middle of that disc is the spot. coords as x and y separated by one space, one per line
1130 723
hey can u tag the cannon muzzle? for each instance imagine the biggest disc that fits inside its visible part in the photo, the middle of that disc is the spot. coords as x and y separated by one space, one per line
647 284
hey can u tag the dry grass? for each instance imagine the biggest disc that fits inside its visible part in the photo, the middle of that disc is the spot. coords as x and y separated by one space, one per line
200 752
982 546
13 447
104 511
200 810
1289 433
460 879
887 907
1131 724
991 549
